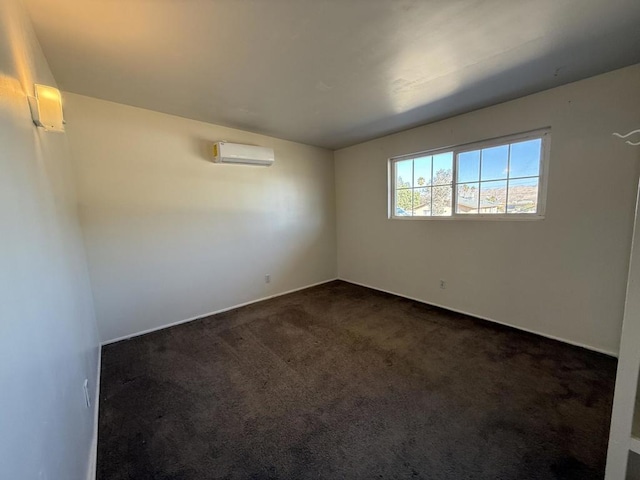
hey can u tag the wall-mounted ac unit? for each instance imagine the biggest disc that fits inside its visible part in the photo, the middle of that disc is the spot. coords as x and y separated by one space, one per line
224 152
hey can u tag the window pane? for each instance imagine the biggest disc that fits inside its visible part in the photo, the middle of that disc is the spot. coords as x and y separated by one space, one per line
441 201
422 171
523 195
494 162
493 179
525 158
467 198
469 167
443 168
422 202
493 197
404 173
404 204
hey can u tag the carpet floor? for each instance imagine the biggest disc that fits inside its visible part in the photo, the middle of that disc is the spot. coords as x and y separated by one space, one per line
344 382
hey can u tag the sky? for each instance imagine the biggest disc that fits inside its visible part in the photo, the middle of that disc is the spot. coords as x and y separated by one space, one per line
479 165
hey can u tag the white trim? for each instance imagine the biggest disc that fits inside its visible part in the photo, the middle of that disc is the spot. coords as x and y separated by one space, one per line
625 395
544 134
222 310
92 471
475 217
634 445
517 327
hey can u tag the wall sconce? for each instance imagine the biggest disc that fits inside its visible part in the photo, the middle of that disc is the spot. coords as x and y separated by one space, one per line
46 108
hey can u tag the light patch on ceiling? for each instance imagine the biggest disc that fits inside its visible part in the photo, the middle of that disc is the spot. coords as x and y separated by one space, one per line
329 73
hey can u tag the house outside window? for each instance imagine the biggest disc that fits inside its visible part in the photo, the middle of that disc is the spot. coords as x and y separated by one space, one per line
503 178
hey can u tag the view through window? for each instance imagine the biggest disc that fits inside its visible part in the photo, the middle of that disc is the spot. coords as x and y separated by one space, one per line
501 177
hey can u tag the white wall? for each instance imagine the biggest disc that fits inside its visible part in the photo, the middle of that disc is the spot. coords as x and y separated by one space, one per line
171 235
48 337
563 276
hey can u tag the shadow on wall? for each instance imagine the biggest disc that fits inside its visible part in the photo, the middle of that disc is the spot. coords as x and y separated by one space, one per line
185 262
48 346
299 260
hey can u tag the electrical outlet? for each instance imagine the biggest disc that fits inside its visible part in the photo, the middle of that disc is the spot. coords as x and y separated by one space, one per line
267 278
85 388
443 284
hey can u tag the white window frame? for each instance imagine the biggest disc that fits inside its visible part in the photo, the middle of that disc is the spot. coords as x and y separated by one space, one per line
543 133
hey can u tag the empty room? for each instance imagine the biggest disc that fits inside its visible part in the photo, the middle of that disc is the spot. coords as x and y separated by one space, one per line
319 239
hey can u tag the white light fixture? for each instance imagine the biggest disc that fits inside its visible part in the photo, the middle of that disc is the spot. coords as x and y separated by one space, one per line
46 108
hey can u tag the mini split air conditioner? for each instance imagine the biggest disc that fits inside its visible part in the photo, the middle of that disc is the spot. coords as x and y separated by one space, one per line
224 152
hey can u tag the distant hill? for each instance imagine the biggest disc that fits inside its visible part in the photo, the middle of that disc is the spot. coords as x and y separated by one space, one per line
517 194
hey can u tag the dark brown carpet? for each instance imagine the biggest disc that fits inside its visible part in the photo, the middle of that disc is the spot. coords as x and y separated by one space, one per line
340 381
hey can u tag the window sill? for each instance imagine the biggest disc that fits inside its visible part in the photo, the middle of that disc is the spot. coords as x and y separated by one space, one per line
476 218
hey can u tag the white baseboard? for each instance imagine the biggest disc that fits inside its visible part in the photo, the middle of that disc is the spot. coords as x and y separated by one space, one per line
93 454
92 469
552 337
222 310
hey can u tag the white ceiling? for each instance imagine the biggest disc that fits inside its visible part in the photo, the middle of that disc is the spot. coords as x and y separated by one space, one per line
329 72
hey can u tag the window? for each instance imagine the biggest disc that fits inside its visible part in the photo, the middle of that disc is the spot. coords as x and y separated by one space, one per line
500 178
